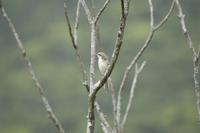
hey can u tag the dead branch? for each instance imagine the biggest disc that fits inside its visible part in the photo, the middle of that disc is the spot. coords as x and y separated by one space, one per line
51 114
195 53
140 52
101 11
132 90
75 46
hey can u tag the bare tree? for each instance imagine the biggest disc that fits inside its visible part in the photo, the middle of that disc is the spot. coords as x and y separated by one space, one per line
93 85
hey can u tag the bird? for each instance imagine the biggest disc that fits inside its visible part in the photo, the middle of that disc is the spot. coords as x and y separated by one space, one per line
103 63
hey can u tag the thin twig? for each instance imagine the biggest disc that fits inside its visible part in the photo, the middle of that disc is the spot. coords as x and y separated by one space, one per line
196 57
114 102
132 90
69 26
151 13
127 71
45 102
105 124
139 54
77 22
166 16
87 11
101 11
75 46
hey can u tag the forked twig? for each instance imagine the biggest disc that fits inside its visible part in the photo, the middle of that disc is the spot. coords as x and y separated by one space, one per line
132 90
140 52
74 43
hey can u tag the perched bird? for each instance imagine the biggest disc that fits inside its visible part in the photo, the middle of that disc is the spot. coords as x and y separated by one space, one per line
103 64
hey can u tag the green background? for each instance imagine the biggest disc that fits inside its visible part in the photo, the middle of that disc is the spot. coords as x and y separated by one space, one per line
164 100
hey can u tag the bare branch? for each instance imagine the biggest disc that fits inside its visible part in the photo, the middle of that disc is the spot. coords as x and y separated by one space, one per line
132 90
151 13
139 54
195 52
127 71
105 125
77 21
87 11
114 102
182 21
75 46
166 16
101 11
39 87
69 26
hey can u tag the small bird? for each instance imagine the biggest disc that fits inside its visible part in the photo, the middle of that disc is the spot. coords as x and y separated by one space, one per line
103 64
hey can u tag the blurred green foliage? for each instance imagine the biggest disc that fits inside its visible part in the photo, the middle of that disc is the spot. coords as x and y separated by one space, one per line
164 99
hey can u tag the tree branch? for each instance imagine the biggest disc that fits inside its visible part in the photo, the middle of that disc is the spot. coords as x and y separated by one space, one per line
140 52
39 87
196 57
75 46
166 16
114 102
132 90
69 26
105 125
87 11
151 14
77 21
101 11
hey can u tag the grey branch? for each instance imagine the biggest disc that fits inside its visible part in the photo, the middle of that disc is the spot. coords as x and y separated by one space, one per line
75 46
132 90
140 52
166 16
101 11
77 21
151 14
105 125
87 11
114 102
69 26
196 57
45 102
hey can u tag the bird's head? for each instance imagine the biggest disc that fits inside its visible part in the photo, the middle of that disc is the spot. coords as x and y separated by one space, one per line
102 56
